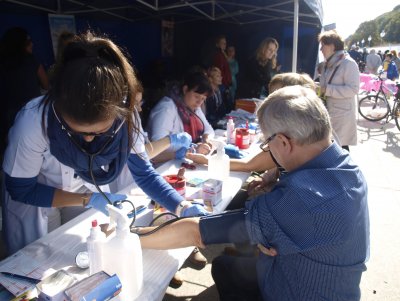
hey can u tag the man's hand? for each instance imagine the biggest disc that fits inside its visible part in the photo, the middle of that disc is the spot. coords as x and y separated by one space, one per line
197 158
267 251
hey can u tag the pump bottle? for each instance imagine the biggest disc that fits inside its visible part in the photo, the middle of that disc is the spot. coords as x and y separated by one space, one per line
123 256
230 131
218 164
95 245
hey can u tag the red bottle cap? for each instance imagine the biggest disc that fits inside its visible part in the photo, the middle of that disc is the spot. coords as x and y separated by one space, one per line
94 223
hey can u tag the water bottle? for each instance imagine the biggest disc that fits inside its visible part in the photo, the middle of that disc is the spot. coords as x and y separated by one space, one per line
94 246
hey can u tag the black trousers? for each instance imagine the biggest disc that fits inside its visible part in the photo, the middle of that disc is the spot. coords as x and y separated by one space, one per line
236 278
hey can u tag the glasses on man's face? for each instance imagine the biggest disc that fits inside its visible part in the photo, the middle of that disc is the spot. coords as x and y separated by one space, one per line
265 145
78 136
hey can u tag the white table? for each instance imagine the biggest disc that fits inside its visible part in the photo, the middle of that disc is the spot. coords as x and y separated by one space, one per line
57 250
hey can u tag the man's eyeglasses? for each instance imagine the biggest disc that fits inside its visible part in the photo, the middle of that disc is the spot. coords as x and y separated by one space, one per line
74 136
265 145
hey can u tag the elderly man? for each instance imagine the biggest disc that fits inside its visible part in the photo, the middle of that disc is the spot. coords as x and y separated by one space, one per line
373 62
313 227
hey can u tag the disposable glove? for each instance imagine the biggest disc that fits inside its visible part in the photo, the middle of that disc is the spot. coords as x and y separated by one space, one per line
99 202
181 153
180 140
194 210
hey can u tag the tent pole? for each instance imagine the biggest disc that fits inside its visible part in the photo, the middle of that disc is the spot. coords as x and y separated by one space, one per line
295 35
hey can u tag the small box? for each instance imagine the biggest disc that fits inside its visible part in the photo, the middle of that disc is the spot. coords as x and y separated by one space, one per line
99 287
212 191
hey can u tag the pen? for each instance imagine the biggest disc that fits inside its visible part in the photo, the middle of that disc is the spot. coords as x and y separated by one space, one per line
21 277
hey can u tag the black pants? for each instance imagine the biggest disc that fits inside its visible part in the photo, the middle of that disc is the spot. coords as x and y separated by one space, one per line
236 278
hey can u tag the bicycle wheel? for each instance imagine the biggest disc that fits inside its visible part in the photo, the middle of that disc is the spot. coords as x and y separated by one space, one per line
396 115
373 107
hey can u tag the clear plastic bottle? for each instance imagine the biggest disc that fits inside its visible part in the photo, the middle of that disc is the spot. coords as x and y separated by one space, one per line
230 131
95 243
219 164
123 256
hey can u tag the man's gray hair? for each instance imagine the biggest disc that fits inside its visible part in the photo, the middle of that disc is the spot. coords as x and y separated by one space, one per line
296 112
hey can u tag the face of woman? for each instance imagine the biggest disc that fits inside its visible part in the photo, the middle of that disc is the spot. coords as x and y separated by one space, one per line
230 52
215 78
97 128
221 44
327 50
269 51
192 99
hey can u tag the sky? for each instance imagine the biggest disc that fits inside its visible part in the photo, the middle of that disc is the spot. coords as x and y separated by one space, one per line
349 14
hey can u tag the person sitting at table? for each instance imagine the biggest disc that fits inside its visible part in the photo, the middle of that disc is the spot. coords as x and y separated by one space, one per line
180 111
86 131
313 227
262 161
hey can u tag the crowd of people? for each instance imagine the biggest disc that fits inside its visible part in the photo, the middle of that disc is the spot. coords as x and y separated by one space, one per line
372 61
77 142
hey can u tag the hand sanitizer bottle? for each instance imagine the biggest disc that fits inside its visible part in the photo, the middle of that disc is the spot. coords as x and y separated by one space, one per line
219 164
123 256
95 245
230 131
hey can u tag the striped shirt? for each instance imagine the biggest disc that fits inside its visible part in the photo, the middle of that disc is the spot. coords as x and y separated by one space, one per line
317 219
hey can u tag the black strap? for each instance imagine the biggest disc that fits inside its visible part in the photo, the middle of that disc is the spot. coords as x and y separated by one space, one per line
333 74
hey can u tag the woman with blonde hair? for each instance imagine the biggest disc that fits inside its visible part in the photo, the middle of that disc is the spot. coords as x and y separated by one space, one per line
258 71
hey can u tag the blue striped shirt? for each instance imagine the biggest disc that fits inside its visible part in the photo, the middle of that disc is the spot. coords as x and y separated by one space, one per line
317 219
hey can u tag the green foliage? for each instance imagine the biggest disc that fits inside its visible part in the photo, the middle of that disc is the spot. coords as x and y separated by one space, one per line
388 22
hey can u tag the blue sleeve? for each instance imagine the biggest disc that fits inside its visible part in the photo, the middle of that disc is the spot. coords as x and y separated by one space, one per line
29 191
152 183
227 227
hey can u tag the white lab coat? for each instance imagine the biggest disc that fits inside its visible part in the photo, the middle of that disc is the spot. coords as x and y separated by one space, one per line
28 155
165 120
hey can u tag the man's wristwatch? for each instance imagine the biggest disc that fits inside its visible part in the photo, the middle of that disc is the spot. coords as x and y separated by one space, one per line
182 205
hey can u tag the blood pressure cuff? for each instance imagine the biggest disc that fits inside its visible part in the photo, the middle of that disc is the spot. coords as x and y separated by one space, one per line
227 227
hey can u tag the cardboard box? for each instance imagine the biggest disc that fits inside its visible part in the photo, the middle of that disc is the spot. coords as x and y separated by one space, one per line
212 191
99 287
247 104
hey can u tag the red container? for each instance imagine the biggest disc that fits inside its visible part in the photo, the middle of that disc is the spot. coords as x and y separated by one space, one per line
242 138
178 183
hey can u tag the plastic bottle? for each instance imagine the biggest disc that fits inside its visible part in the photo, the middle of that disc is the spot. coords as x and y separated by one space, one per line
230 131
218 164
123 256
95 243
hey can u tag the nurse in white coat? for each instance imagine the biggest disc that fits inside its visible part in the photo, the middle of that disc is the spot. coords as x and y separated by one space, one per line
82 135
180 112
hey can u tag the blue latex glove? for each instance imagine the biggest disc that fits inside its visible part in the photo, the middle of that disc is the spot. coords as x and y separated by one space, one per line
181 153
98 202
180 140
194 210
233 151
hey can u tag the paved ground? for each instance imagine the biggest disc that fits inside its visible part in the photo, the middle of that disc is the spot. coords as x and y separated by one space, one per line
377 153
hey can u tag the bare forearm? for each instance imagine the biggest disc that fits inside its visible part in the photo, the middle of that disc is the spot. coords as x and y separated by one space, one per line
183 233
69 199
154 148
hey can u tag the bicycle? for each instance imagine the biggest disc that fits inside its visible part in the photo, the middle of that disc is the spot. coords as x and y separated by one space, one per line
376 107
